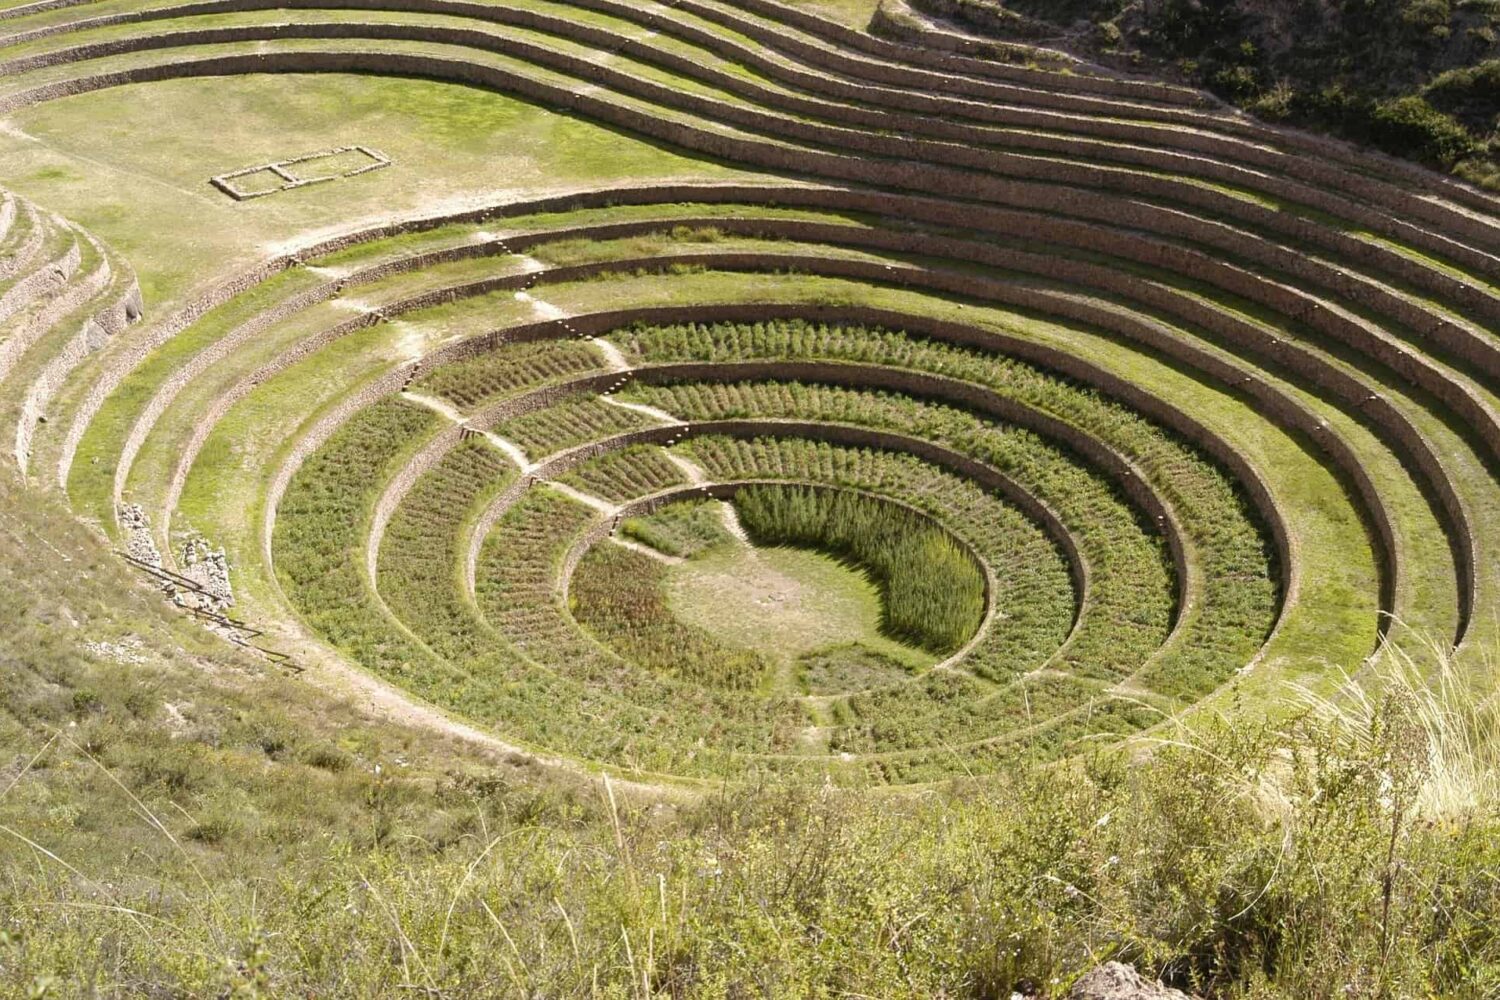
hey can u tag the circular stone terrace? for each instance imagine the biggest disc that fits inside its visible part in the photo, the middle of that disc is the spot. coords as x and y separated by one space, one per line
532 360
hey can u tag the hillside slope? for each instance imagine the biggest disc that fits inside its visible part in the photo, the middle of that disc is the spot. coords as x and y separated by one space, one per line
1416 78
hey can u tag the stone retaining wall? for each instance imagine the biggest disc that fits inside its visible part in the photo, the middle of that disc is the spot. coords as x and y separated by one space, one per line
941 158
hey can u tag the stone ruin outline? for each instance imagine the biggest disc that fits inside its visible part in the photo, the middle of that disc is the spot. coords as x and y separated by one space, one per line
290 179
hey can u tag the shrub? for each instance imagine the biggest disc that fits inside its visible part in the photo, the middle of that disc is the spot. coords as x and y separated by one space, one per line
327 757
1470 93
1409 126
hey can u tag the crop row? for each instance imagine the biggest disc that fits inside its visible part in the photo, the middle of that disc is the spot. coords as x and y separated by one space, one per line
571 422
518 590
472 382
1238 603
442 650
418 556
537 677
626 474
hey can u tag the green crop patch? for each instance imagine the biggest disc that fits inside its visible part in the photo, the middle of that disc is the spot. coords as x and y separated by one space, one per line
621 596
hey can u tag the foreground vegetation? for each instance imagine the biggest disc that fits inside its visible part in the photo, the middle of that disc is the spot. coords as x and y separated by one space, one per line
179 820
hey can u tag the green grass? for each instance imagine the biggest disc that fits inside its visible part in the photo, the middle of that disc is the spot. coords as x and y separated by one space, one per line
90 479
266 773
1338 603
537 679
519 598
783 602
1205 519
447 656
178 819
854 13
995 718
932 591
421 549
440 651
176 230
318 531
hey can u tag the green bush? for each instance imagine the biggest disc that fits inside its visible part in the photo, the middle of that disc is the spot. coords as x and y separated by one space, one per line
1409 126
1470 93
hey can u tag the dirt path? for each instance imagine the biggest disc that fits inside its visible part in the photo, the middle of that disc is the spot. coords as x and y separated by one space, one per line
733 526
692 470
612 356
650 411
600 504
512 450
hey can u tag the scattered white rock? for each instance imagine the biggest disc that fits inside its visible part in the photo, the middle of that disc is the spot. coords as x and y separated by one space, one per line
1116 981
208 568
138 541
127 651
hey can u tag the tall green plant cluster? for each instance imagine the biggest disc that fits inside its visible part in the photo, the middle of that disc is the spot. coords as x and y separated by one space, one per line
932 590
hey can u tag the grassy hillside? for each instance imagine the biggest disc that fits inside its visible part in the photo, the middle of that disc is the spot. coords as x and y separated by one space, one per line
1415 78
